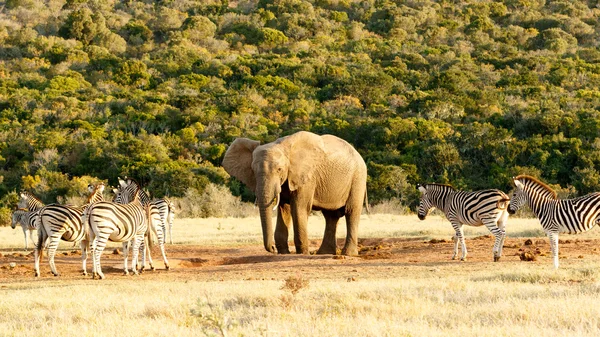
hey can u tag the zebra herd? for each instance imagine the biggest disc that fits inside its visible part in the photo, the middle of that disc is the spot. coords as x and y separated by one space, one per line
131 218
491 208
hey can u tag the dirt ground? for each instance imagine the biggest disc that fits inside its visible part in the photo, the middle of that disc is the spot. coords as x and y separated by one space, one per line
378 258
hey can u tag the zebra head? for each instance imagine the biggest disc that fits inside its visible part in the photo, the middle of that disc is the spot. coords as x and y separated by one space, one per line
425 204
519 197
16 218
23 200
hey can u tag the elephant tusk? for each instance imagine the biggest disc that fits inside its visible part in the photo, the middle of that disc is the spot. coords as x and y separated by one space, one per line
277 202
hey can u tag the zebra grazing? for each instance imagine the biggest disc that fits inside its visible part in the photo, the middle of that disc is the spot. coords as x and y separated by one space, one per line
29 201
118 223
64 222
27 221
486 207
556 215
161 207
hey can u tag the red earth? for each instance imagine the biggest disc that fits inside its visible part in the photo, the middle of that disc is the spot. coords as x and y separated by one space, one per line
378 258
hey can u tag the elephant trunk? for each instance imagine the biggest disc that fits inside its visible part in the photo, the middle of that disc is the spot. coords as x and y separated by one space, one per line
267 228
268 197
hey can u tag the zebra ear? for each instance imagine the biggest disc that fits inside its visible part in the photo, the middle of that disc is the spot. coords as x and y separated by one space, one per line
519 184
421 189
115 191
122 183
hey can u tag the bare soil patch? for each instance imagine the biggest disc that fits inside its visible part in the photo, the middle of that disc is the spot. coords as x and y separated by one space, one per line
378 258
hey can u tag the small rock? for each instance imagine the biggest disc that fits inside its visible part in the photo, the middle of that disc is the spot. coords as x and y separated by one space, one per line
527 256
528 242
12 265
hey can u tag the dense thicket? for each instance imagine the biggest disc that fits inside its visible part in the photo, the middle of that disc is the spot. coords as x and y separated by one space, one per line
462 92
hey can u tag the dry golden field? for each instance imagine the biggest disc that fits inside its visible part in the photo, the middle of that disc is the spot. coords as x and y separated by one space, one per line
223 283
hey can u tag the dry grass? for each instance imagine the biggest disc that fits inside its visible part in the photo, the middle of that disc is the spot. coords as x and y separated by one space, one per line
468 299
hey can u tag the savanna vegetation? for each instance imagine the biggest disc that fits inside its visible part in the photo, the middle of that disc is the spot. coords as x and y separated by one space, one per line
462 92
244 292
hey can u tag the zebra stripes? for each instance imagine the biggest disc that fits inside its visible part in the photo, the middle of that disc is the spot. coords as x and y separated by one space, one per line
27 220
160 208
485 207
118 223
556 215
64 222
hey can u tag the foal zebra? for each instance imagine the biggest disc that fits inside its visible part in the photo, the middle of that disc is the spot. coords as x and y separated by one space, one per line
64 222
161 207
486 207
27 220
556 215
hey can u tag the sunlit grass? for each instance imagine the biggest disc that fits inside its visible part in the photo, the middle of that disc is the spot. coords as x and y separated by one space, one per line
469 299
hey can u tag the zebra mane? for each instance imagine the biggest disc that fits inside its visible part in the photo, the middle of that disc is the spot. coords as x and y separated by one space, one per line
537 182
441 185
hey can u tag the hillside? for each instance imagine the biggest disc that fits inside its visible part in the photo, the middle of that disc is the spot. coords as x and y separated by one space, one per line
462 92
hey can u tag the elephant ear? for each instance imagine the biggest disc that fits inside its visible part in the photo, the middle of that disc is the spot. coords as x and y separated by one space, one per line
307 152
238 161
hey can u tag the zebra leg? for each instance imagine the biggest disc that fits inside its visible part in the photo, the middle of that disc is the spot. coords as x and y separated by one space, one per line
84 244
161 243
553 236
499 234
25 235
98 246
147 250
52 247
126 256
460 237
137 241
38 250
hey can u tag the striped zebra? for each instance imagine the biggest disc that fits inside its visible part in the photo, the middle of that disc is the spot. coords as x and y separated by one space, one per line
486 207
118 222
64 222
27 220
165 206
556 215
29 201
162 207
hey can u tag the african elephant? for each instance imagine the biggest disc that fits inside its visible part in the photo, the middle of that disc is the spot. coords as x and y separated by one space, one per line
297 174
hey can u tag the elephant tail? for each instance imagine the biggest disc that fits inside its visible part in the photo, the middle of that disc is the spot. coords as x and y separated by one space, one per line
367 203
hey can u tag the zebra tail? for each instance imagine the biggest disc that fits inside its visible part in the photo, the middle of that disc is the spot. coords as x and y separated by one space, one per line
41 238
151 234
367 203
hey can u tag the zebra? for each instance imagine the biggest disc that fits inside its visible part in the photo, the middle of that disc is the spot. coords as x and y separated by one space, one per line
27 221
29 201
64 222
163 207
119 222
485 207
556 215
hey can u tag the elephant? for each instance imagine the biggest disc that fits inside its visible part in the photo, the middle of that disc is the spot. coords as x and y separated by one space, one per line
299 173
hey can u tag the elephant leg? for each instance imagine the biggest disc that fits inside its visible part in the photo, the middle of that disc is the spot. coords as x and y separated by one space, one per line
328 246
282 228
352 221
300 217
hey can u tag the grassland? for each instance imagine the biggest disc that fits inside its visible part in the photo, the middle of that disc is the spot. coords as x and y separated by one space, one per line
347 297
